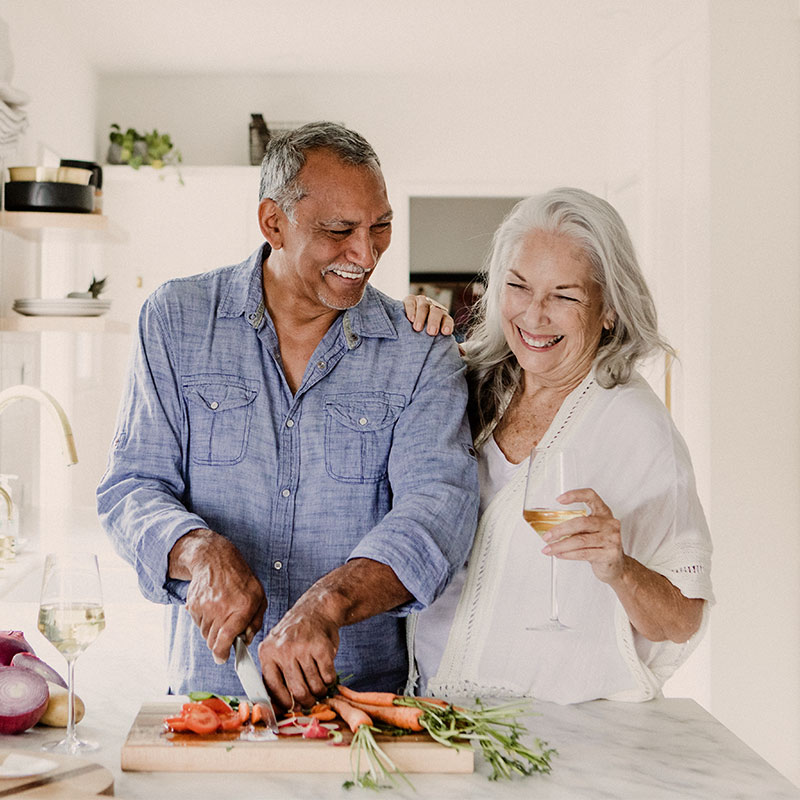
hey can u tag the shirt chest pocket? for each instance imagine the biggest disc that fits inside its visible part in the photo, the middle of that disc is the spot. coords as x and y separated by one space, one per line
358 434
219 410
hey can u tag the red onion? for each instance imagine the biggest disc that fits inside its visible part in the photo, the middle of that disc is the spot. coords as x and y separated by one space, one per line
23 699
11 643
30 661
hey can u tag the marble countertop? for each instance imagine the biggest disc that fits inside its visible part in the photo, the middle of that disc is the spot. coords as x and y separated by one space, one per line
666 748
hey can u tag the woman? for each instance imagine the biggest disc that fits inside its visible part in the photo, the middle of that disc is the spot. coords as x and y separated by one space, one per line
551 360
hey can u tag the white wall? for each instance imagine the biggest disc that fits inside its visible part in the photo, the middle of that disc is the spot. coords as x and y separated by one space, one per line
62 87
754 331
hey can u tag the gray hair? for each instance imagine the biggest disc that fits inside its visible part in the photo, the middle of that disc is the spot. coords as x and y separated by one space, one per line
596 227
286 154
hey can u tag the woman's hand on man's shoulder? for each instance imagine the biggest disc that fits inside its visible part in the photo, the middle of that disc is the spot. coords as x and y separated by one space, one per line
426 314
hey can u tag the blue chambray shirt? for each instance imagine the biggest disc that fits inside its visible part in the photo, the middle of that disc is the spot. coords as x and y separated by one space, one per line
372 457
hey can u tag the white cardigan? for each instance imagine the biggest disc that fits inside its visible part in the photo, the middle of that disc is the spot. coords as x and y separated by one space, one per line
632 455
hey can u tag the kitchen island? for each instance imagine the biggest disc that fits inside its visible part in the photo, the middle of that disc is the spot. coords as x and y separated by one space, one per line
664 749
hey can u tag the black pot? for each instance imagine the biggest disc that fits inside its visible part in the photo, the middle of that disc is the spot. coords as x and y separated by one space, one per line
49 196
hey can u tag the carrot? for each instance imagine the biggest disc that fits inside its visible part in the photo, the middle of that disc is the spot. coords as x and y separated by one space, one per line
405 717
256 714
371 698
323 714
353 716
244 711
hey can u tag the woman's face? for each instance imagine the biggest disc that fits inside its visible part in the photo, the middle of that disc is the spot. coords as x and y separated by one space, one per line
552 310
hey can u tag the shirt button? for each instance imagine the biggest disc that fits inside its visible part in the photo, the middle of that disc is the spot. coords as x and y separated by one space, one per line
285 492
278 565
362 421
290 423
215 405
321 365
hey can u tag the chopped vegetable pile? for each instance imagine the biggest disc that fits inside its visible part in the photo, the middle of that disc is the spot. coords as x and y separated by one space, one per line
497 730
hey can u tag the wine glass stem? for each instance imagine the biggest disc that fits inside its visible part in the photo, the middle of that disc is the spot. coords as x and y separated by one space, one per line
553 595
71 736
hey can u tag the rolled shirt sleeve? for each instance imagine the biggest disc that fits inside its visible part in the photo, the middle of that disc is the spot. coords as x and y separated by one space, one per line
433 474
140 495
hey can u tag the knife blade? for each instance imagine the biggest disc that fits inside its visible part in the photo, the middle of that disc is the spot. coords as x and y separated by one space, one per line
253 682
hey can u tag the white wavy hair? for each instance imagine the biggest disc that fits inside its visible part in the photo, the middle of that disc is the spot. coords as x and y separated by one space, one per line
596 227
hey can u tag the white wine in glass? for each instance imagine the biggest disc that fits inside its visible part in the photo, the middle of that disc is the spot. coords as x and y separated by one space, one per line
551 472
71 617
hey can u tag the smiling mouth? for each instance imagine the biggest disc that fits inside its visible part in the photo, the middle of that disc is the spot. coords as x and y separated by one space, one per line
539 342
350 272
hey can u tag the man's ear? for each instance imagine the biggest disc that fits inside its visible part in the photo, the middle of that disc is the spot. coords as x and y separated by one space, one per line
272 222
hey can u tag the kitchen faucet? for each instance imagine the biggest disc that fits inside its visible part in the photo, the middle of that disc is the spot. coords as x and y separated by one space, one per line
22 391
9 503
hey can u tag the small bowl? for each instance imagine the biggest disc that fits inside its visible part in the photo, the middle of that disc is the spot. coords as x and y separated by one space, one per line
33 173
75 175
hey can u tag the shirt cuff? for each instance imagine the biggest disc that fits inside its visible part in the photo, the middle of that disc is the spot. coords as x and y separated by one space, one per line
416 560
153 557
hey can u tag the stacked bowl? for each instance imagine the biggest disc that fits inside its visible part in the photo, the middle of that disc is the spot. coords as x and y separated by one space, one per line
49 189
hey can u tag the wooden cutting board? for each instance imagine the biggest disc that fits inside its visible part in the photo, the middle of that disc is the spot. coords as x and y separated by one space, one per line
149 748
71 778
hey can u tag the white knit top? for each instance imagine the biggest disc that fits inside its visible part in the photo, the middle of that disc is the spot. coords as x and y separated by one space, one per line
475 638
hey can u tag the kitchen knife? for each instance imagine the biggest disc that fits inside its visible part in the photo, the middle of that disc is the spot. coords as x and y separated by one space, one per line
253 682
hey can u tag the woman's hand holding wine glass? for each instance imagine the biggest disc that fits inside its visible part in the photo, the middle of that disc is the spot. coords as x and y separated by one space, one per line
552 472
71 617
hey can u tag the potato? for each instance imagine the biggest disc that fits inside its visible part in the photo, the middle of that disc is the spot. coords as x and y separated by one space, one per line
55 714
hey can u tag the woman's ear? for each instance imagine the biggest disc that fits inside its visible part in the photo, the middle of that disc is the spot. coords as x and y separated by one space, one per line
272 222
610 321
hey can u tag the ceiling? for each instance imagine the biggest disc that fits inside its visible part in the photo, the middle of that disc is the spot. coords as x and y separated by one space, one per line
305 36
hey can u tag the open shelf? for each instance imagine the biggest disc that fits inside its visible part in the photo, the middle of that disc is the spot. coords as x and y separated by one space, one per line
31 223
62 324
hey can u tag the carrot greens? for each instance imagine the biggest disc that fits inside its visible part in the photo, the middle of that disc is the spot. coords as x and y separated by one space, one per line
378 770
496 730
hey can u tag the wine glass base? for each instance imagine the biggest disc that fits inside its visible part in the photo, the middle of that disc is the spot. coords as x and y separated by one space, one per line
550 626
71 747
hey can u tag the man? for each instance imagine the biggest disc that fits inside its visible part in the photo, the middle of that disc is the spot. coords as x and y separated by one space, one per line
291 458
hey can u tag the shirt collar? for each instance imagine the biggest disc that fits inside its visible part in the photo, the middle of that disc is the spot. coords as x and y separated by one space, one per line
245 293
245 297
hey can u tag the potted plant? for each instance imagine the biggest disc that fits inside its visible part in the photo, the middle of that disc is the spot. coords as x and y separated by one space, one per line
96 287
151 148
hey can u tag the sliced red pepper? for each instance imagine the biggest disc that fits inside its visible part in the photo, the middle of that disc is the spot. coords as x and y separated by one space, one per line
176 724
201 719
217 704
230 722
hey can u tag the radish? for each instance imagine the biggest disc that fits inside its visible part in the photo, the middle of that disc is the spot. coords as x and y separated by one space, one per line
30 661
23 699
11 643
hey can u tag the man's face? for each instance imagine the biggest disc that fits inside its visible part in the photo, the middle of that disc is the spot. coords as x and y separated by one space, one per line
342 227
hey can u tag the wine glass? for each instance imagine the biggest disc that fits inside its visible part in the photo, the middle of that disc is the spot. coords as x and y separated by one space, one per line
551 472
71 617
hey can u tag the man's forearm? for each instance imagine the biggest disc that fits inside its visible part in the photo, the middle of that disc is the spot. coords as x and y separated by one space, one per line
187 551
357 590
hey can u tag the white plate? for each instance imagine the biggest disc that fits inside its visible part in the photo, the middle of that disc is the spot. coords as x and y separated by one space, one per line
61 301
66 307
19 765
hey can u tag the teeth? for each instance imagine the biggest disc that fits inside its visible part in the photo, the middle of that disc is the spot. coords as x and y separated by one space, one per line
539 341
352 276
